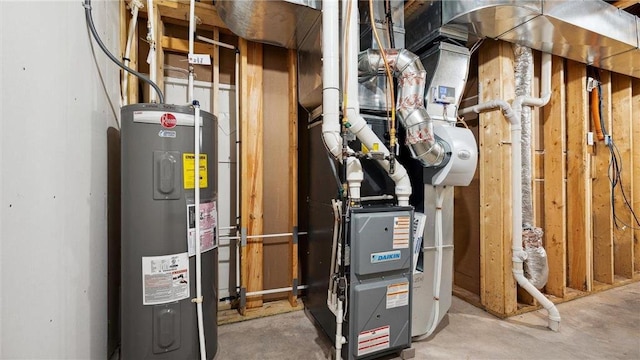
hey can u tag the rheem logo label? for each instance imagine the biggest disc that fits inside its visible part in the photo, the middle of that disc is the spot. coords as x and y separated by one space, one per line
168 120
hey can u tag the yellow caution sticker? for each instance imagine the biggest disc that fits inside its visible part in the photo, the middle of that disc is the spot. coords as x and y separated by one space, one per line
189 170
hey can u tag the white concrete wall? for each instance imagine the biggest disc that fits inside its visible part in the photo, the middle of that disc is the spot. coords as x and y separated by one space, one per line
53 188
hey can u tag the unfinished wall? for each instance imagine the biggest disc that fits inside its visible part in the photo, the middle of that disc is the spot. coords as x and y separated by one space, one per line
58 100
572 193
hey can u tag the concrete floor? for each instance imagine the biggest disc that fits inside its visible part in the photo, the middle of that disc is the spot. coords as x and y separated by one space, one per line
601 326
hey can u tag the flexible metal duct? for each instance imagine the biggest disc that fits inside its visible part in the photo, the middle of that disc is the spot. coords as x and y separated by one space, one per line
408 69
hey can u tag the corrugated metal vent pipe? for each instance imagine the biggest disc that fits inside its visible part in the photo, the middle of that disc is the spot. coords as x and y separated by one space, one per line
411 75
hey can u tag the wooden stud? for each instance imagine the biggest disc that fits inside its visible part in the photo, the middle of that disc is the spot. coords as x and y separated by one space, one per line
293 168
496 78
601 200
554 181
635 110
182 45
621 94
578 179
251 190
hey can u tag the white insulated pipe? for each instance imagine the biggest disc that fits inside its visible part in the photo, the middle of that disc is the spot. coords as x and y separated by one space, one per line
135 6
152 59
512 113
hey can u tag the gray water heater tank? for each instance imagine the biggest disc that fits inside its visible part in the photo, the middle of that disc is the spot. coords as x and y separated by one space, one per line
158 318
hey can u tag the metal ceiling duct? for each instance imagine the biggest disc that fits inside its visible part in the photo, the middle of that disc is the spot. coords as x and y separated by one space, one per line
283 23
588 31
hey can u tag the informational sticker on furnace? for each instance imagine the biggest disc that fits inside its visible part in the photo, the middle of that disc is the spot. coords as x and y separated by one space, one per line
397 295
165 279
208 227
401 227
189 170
373 340
385 256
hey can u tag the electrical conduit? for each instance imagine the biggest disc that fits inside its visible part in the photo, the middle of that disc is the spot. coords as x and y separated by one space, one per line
512 113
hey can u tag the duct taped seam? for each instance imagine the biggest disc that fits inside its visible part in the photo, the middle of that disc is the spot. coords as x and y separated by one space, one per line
411 76
536 267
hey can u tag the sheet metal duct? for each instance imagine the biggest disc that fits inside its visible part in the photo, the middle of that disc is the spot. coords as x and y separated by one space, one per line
283 23
588 31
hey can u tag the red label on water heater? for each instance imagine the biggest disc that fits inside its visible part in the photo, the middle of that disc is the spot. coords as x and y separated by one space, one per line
168 120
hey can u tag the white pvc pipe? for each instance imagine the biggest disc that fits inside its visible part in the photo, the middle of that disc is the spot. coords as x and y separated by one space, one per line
339 338
331 78
237 133
135 6
196 180
359 126
275 291
512 113
192 30
215 42
152 59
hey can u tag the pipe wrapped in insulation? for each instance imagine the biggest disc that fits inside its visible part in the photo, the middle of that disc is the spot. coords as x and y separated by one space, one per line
536 268
411 75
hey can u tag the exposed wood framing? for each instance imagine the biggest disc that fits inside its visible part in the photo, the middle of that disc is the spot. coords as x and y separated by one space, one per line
159 29
251 189
601 201
496 81
179 10
578 179
292 57
624 4
182 45
132 86
621 94
635 109
554 181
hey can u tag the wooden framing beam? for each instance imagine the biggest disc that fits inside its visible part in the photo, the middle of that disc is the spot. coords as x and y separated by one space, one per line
496 81
179 10
601 200
292 59
555 195
578 179
635 110
624 4
182 45
252 174
621 94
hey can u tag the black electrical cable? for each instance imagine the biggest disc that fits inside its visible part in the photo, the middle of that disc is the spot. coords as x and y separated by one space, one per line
388 15
92 27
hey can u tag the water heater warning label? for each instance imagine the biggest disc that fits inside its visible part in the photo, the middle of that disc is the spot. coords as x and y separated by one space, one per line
208 227
165 279
373 340
189 169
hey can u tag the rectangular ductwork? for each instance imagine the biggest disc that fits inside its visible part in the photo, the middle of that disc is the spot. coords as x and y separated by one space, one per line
589 31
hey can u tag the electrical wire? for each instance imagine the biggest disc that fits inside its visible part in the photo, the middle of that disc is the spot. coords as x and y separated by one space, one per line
94 32
614 172
387 68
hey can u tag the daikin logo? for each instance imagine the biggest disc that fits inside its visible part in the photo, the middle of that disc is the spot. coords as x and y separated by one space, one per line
385 256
